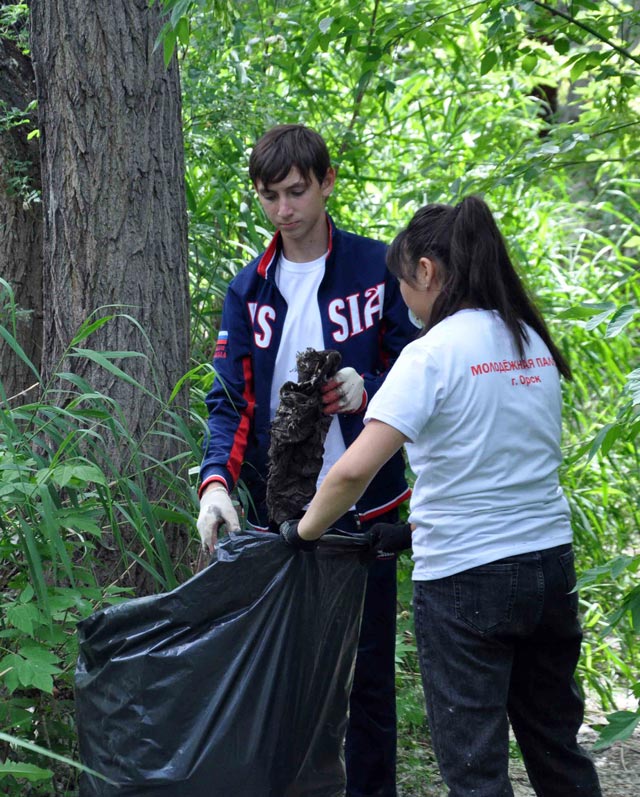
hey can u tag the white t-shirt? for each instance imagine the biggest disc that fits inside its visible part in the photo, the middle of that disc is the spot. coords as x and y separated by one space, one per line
298 283
485 428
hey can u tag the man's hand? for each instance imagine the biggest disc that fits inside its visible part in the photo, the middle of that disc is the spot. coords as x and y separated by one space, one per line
344 392
289 533
389 537
216 509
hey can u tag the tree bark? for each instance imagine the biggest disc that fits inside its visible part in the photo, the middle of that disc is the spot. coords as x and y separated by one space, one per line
20 227
115 229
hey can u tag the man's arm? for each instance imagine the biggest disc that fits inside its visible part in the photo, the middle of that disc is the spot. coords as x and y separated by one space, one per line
231 400
231 404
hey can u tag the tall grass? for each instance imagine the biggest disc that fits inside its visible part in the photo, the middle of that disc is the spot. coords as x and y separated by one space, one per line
74 525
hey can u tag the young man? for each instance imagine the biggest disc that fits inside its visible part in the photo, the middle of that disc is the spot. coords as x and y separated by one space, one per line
320 287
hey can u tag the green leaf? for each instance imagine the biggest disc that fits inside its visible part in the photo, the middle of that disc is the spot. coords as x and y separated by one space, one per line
23 617
605 439
123 354
191 197
79 382
597 319
592 5
589 310
633 385
489 60
168 46
10 675
75 519
32 553
621 726
363 82
39 656
32 666
621 319
621 564
182 30
19 769
87 328
17 348
34 748
180 9
27 594
63 475
579 66
102 358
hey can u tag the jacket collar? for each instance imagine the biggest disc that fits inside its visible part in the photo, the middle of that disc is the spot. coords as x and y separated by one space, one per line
269 259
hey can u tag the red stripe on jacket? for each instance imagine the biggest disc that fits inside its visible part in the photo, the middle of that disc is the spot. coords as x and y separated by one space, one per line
376 511
236 457
269 255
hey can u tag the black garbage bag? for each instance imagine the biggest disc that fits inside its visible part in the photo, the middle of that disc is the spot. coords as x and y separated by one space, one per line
298 432
234 684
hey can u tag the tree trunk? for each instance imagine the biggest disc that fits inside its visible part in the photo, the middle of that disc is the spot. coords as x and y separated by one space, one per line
20 226
115 230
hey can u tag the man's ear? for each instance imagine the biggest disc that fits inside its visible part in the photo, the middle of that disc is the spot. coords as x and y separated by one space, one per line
326 186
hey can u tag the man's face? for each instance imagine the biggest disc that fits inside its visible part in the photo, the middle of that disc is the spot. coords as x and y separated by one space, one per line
295 205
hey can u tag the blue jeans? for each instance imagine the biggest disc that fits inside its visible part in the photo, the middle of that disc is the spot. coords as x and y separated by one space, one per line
499 643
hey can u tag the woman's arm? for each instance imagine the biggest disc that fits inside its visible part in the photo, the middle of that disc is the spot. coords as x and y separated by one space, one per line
350 476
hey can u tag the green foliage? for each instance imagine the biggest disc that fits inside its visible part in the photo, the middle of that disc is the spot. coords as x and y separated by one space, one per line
621 725
14 24
64 504
176 30
15 177
22 770
31 772
10 118
535 105
14 172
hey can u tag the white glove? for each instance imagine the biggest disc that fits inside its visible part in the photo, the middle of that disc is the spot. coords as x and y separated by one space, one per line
344 392
216 509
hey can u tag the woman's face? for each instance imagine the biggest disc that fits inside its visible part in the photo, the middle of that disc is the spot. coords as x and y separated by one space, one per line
420 294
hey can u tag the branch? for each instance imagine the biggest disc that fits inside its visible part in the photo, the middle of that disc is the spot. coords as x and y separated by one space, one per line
363 88
23 392
556 12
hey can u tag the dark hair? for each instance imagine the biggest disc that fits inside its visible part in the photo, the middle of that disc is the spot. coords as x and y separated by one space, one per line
474 267
286 146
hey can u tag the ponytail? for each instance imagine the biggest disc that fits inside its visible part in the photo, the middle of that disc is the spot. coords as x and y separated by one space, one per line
475 268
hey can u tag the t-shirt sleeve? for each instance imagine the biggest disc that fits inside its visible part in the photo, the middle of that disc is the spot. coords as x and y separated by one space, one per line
410 394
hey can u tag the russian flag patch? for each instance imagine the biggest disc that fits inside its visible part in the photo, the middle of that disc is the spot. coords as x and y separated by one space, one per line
221 344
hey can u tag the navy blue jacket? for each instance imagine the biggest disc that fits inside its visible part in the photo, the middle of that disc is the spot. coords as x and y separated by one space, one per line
363 317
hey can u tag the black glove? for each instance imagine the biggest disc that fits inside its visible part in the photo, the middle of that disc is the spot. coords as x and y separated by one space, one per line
389 537
289 533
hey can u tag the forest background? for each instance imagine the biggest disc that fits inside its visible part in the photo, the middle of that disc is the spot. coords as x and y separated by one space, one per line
125 208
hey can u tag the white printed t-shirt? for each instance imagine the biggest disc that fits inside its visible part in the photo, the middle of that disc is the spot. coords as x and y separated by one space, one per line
485 429
298 283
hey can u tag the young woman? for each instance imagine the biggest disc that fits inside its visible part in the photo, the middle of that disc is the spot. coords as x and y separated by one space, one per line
476 401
